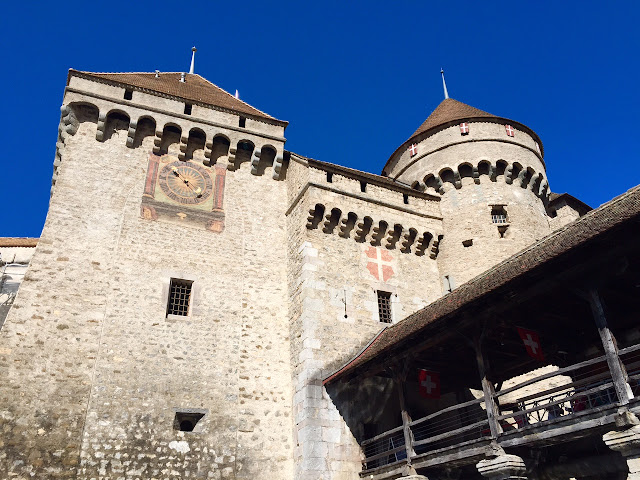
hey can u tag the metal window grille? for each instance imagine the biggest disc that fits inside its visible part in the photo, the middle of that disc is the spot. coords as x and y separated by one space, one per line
499 218
384 306
179 297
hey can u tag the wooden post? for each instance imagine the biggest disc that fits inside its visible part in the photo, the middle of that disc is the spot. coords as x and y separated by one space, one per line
617 369
400 377
487 389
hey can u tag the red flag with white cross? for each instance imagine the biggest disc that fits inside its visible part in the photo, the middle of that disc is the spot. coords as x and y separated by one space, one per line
429 384
510 130
531 341
464 128
413 149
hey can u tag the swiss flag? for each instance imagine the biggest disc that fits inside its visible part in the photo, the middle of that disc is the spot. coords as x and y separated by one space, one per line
531 341
429 384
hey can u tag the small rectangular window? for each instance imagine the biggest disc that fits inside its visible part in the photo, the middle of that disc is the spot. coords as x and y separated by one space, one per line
128 94
384 306
179 297
498 215
243 122
405 198
187 108
363 186
329 177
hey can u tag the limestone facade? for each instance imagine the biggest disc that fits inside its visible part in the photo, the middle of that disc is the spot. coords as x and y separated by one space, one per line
289 261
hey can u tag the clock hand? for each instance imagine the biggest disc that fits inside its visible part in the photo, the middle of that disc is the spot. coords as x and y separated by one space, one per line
197 191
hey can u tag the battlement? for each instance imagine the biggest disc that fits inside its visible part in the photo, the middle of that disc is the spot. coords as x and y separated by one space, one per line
190 130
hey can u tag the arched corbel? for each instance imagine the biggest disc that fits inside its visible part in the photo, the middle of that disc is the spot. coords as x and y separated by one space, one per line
183 147
232 159
277 167
457 180
208 151
535 180
521 178
508 175
476 175
157 142
255 161
102 120
131 134
69 120
493 172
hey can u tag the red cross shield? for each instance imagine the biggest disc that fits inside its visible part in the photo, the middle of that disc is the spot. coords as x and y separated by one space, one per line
429 384
531 341
379 263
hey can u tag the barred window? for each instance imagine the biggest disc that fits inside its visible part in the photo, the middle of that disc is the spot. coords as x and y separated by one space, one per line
179 297
384 306
498 215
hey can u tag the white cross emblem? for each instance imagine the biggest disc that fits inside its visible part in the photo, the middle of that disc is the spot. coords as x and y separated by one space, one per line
464 128
531 343
509 130
428 384
413 149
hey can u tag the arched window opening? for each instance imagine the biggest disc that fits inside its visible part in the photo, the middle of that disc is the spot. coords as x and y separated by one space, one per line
85 112
170 140
220 148
195 144
484 168
115 124
447 176
146 128
244 152
267 156
501 167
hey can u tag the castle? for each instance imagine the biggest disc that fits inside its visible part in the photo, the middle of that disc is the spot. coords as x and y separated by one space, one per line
203 303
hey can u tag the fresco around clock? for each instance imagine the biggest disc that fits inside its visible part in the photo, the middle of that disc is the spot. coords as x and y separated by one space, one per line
184 192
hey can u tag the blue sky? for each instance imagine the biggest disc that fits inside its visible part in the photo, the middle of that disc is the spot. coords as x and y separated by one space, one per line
354 79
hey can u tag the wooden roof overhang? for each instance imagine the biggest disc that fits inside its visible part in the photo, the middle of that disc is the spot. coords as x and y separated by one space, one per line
540 288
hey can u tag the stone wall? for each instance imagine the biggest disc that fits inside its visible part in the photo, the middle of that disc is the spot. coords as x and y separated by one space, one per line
93 371
333 280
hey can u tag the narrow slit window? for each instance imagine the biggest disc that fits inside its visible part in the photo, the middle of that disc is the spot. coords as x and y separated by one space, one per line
179 297
363 186
329 177
128 94
405 199
498 215
384 306
243 122
187 108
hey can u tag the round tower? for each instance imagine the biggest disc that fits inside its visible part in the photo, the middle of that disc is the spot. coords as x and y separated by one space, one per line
490 174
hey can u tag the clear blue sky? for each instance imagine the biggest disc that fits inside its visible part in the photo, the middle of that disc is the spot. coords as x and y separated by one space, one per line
354 79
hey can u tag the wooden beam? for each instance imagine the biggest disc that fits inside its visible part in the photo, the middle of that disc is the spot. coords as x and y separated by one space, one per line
617 369
487 389
400 377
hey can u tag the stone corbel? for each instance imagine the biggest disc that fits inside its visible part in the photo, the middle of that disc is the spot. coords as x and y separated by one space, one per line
131 134
208 151
157 142
183 147
102 119
255 161
521 177
476 175
627 442
277 167
457 181
232 159
503 467
69 120
493 173
508 175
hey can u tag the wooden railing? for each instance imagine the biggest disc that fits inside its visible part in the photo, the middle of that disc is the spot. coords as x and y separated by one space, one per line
562 393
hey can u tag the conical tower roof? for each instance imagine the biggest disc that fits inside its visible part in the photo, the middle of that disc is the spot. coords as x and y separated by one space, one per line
450 110
195 89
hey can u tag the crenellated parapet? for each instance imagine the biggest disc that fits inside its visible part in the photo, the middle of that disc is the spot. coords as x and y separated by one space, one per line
363 228
188 139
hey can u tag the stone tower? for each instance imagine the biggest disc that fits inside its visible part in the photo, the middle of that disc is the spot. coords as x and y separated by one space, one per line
490 174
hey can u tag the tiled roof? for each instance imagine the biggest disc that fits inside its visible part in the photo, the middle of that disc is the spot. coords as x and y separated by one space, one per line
18 242
450 110
195 88
610 215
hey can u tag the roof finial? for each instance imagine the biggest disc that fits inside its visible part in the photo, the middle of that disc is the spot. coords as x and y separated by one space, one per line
444 85
237 95
193 57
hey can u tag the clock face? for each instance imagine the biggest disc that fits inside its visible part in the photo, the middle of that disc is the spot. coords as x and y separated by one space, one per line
186 183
